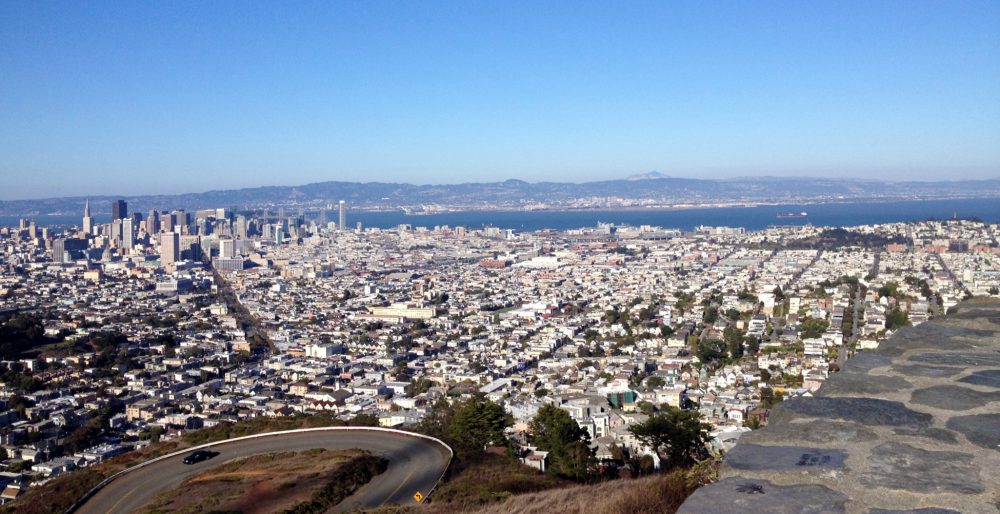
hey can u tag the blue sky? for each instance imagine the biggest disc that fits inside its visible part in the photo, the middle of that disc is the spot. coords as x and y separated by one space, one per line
147 97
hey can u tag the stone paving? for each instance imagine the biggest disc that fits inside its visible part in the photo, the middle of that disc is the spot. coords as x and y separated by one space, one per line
913 427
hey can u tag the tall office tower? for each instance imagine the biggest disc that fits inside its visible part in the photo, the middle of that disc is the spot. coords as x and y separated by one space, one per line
167 222
227 248
181 222
119 209
59 250
116 230
88 221
343 216
128 233
240 229
152 222
33 230
170 248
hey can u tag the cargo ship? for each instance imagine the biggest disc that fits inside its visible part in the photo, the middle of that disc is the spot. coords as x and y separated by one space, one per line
802 214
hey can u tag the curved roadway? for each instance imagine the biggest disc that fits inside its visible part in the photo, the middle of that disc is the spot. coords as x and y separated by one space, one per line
415 464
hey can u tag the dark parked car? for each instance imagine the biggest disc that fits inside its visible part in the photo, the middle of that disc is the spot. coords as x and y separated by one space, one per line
198 456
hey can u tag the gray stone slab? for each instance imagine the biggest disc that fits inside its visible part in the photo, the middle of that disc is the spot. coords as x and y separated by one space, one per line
931 510
866 411
989 377
922 370
737 495
938 336
958 358
937 434
862 384
982 429
951 397
866 361
785 458
813 431
904 467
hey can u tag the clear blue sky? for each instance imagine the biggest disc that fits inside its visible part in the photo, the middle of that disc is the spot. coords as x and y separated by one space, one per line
145 97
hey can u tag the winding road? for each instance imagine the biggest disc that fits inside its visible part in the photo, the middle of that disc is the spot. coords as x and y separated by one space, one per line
415 464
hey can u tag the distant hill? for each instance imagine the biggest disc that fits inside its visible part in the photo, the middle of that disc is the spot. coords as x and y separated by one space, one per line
645 189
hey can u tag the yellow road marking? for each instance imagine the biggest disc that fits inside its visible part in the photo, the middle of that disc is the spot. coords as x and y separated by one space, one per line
400 486
126 495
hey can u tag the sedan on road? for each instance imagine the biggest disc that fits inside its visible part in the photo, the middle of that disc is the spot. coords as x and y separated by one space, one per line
198 456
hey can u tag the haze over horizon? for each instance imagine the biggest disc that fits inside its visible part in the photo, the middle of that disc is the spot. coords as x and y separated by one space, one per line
638 176
117 98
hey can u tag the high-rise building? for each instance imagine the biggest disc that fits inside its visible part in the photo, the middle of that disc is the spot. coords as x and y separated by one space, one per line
116 230
119 209
343 216
241 229
170 248
128 233
153 222
167 222
59 250
181 222
88 221
227 248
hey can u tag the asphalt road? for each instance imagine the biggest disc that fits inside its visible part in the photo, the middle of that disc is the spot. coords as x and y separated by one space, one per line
415 464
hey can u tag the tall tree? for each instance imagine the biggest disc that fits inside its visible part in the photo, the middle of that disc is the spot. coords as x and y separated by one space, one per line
734 341
478 423
555 431
679 433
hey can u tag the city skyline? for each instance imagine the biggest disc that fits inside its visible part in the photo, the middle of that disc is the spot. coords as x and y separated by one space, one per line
511 256
197 97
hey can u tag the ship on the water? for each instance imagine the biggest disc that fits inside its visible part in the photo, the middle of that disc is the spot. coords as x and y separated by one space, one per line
802 214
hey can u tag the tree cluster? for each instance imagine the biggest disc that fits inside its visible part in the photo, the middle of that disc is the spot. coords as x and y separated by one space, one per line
553 430
20 333
678 434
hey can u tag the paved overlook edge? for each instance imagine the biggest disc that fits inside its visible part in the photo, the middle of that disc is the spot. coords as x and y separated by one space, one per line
913 427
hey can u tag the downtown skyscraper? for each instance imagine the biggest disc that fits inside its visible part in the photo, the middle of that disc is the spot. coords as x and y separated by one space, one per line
88 220
119 209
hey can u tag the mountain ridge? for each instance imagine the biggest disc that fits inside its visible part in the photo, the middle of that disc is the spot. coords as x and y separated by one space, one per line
651 189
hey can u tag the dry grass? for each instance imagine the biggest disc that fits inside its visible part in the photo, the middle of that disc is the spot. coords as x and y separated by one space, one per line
255 485
489 479
659 494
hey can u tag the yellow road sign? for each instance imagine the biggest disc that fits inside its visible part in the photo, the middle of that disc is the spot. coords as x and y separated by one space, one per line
418 496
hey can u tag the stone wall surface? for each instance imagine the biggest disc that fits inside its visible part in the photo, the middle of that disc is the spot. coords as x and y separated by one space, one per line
913 427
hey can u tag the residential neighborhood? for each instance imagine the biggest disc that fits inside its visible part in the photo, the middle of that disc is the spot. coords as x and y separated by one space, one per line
122 334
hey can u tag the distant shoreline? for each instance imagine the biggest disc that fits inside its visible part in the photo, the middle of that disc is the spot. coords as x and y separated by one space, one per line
749 216
565 209
686 207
